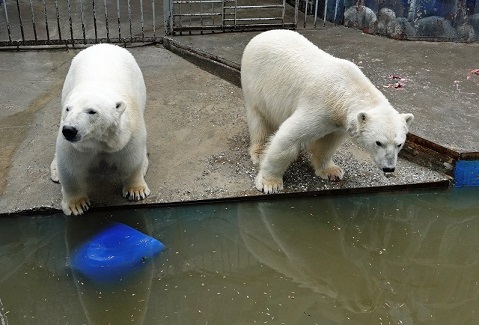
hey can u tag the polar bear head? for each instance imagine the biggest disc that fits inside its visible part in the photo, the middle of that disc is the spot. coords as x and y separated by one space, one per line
382 134
92 121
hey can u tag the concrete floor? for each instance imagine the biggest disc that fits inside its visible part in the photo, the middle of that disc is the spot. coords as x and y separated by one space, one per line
198 136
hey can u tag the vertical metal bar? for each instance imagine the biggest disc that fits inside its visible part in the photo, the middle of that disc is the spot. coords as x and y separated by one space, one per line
106 21
283 12
7 21
316 13
212 11
325 12
71 22
223 15
129 19
336 11
33 22
46 20
296 10
57 12
201 16
305 13
154 18
142 22
236 11
20 21
190 11
82 21
119 20
179 14
168 16
94 22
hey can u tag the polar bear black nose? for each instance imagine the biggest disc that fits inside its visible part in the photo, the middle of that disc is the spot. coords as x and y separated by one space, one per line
69 132
388 170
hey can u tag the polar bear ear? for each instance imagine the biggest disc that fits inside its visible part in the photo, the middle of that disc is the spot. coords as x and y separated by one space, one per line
408 118
120 106
357 124
362 119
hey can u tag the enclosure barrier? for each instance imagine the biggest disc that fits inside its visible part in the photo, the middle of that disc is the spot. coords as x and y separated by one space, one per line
225 15
71 22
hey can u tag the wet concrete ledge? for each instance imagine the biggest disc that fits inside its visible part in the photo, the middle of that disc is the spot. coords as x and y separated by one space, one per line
438 185
427 153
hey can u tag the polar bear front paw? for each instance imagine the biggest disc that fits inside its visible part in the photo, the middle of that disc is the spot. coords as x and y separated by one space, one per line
136 193
76 206
332 173
268 185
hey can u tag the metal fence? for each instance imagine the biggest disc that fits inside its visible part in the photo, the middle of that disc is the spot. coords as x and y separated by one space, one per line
75 22
71 22
59 22
226 15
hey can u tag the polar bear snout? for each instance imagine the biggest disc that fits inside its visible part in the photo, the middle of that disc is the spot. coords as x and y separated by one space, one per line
388 169
70 133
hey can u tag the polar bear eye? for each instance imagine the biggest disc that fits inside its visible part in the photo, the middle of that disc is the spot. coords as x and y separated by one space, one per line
379 144
67 109
400 145
91 111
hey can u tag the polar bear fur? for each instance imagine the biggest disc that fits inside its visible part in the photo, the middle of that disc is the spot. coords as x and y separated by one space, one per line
298 96
103 102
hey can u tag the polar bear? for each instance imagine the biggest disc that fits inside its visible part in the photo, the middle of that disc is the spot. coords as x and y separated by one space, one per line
103 102
298 96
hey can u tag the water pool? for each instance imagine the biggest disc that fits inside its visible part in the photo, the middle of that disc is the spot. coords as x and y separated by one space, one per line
392 258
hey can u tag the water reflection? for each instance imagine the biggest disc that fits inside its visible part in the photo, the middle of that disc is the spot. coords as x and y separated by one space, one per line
37 285
401 259
358 259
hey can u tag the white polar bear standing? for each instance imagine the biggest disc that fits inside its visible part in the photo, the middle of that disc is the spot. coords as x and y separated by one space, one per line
305 97
103 102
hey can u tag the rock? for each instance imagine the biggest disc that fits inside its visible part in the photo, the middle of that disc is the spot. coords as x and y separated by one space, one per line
360 17
435 27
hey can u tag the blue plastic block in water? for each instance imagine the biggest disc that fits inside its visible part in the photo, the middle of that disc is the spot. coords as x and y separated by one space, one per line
466 173
114 253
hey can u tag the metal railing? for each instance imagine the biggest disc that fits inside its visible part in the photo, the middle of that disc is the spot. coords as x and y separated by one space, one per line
76 22
226 15
71 22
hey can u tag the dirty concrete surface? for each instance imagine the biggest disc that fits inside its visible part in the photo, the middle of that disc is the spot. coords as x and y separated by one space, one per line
437 87
197 133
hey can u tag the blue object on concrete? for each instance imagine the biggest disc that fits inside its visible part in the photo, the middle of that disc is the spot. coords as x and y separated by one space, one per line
466 173
114 253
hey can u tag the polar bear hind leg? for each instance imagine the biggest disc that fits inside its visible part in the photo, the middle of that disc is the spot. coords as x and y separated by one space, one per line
259 131
322 151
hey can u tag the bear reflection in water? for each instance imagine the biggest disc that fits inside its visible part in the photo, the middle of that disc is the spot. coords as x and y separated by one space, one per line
360 261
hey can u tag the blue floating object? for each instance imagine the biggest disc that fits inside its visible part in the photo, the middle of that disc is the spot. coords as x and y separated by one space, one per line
466 173
114 253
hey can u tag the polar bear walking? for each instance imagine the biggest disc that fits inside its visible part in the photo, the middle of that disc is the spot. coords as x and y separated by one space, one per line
298 96
103 101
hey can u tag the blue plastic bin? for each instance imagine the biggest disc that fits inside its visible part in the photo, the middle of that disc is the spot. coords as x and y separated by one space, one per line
114 253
